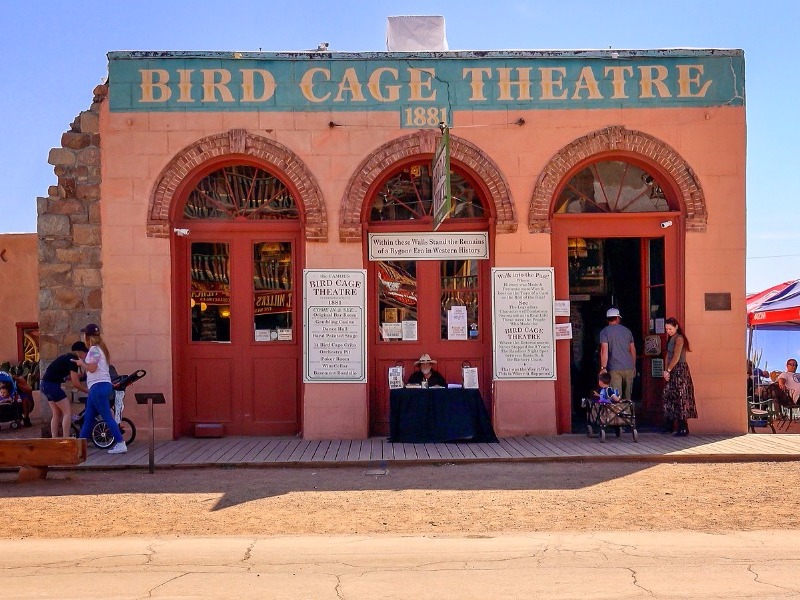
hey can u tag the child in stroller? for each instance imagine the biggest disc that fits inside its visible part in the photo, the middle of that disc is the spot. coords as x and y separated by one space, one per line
16 400
606 409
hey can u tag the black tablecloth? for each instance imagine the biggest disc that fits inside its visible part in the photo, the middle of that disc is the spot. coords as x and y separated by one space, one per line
438 415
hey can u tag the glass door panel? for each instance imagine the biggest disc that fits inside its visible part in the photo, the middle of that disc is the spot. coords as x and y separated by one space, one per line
397 300
460 299
656 285
210 298
272 291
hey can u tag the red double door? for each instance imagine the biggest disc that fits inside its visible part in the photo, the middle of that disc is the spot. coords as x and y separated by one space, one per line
421 293
238 333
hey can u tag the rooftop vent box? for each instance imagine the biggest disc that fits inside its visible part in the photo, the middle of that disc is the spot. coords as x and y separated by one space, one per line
416 34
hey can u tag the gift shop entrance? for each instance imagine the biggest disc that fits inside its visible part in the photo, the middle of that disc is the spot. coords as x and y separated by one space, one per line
626 259
428 291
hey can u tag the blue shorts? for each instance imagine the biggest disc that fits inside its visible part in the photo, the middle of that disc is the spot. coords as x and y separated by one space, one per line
52 391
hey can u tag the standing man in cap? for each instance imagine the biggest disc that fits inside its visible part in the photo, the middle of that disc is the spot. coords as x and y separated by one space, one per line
618 353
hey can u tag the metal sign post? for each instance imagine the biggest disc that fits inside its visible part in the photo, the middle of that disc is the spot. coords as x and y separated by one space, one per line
151 399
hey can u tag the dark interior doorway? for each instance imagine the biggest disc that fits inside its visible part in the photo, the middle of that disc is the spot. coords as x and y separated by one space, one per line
604 272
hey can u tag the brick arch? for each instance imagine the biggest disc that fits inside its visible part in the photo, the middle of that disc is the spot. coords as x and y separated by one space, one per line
423 142
618 139
238 142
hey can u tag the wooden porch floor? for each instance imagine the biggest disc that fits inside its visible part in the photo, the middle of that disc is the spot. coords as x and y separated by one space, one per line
294 452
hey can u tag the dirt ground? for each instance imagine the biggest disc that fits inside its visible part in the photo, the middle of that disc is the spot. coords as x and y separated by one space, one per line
471 499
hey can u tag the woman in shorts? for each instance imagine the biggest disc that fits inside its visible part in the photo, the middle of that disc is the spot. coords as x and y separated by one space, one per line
62 369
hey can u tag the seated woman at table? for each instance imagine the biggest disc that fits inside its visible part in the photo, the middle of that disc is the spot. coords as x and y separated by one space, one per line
427 376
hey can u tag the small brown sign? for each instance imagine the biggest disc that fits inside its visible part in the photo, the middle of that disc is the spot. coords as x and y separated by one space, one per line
718 301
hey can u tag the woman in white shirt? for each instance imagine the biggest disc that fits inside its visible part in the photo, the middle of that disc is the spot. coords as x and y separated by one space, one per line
98 379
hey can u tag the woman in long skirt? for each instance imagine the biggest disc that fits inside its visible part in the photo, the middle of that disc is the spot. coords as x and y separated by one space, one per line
679 404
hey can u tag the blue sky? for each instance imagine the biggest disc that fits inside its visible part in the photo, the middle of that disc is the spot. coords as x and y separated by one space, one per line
55 54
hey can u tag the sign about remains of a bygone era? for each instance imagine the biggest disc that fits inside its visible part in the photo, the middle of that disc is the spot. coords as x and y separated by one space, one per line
523 323
335 326
429 246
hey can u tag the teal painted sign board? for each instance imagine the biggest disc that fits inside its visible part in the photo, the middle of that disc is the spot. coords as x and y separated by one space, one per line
423 89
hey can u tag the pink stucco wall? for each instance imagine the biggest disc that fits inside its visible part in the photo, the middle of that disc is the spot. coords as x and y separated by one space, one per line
136 147
19 288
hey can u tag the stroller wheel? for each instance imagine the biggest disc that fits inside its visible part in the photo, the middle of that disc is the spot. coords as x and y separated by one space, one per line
602 436
74 431
618 431
589 432
103 438
14 425
101 435
128 430
635 435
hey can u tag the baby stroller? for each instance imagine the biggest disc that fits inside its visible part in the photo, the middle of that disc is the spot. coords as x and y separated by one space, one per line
602 414
101 434
11 409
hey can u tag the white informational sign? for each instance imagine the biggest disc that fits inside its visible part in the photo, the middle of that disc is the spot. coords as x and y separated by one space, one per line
396 378
391 331
562 308
470 376
334 303
457 323
409 331
563 331
429 246
523 323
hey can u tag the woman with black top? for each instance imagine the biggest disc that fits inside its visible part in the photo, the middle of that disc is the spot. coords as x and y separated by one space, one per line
59 371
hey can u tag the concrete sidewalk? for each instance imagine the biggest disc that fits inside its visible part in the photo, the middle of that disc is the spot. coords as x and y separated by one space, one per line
618 565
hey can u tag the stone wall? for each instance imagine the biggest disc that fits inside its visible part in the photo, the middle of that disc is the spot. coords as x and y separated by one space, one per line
70 260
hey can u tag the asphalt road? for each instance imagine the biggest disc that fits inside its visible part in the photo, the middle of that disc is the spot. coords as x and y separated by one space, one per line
618 565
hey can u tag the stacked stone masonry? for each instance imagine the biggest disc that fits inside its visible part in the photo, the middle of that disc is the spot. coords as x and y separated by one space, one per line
70 261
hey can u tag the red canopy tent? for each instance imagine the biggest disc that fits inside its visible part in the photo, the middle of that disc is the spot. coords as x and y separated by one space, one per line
775 308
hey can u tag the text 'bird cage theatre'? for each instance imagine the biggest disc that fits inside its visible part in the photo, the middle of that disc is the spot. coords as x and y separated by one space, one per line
275 233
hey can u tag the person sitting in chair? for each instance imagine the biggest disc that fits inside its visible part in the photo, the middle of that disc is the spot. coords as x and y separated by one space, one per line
790 379
427 376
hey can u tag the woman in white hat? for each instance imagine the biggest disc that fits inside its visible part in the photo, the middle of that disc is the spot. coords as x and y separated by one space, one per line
427 376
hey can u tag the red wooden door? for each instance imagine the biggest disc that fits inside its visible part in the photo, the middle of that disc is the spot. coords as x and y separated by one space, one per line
668 289
238 331
418 294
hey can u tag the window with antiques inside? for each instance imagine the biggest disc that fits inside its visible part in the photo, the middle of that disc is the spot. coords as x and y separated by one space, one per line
611 186
408 196
240 192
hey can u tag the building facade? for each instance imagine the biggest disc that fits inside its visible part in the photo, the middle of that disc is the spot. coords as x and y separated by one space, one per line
201 191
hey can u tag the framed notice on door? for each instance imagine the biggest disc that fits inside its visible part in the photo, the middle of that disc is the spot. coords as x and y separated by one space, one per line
523 324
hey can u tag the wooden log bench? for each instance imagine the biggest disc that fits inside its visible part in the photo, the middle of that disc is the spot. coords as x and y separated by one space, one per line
34 456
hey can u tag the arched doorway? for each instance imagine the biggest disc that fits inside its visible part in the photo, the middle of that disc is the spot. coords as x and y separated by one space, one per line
237 261
411 299
617 241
